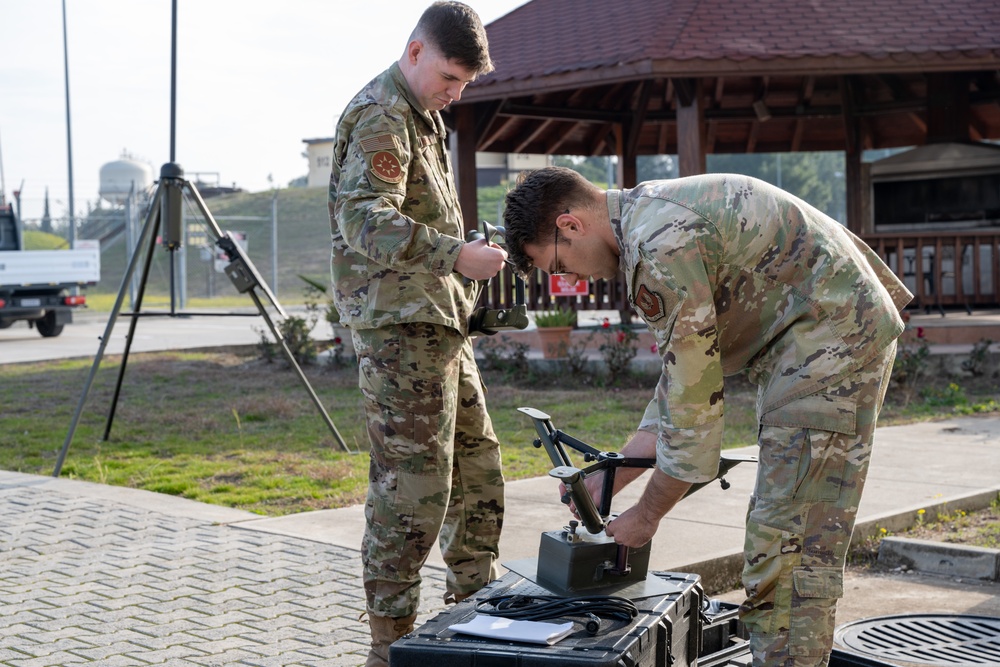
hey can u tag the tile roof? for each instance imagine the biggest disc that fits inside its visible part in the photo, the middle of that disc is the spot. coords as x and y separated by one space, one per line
550 37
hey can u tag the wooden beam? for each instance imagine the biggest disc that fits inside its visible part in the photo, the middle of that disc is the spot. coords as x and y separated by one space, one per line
805 99
690 129
599 140
486 113
524 143
560 138
726 115
608 136
797 131
977 131
661 143
752 136
684 90
635 123
465 171
947 107
852 159
499 129
918 122
563 113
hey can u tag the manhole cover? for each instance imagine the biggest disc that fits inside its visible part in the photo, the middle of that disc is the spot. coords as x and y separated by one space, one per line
925 639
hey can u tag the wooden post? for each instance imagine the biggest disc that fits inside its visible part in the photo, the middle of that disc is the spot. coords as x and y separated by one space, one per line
690 127
465 170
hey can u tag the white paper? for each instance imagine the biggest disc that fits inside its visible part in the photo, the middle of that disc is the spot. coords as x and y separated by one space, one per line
497 627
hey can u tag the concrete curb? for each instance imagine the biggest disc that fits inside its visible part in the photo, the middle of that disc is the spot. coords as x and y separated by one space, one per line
953 560
894 522
722 573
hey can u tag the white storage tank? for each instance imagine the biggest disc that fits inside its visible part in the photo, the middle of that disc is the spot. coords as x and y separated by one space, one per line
117 178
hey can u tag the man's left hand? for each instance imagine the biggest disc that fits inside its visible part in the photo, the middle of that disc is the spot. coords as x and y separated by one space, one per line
479 260
632 529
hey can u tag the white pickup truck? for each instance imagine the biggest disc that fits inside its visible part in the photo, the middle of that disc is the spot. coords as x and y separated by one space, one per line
37 285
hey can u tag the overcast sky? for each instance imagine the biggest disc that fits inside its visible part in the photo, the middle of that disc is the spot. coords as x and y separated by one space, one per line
254 78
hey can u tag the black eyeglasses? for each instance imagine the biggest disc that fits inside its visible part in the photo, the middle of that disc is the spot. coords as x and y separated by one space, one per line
557 271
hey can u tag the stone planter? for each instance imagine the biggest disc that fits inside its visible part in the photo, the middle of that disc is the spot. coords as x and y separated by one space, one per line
554 341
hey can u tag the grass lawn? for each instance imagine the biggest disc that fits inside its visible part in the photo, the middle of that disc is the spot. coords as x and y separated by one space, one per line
226 427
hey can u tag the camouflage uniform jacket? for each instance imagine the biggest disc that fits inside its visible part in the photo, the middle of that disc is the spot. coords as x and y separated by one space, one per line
731 274
394 214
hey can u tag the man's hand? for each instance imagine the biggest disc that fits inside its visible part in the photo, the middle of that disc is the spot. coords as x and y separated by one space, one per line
479 260
632 529
594 484
642 445
638 524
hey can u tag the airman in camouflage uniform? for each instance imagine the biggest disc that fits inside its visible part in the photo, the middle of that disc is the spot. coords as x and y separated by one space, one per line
733 275
401 283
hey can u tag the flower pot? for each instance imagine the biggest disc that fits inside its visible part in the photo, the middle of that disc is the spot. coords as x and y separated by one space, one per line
344 334
554 341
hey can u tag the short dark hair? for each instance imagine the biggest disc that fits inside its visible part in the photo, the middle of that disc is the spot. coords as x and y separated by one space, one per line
455 29
538 198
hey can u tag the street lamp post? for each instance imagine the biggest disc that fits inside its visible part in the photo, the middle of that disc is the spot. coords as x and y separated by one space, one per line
69 136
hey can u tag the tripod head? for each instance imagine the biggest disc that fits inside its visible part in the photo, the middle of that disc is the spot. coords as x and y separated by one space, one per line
171 205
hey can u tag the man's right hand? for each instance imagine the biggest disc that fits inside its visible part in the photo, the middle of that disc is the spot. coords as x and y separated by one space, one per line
479 260
642 445
594 484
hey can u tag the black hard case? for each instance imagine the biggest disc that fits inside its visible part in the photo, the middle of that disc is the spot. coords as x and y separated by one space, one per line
666 632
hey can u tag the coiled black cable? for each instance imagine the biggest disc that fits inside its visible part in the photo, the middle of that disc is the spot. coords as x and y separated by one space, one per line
541 607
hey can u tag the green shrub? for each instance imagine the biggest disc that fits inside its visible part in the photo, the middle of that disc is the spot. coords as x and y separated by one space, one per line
562 317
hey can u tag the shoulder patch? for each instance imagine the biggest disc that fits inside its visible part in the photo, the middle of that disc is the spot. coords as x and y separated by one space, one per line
380 142
386 167
650 303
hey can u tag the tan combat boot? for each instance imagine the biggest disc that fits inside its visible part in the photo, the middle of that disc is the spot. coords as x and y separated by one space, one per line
455 598
385 630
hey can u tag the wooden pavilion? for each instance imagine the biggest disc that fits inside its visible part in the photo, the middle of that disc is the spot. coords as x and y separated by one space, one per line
690 77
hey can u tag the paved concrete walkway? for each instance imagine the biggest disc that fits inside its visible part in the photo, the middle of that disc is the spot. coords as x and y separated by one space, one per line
111 576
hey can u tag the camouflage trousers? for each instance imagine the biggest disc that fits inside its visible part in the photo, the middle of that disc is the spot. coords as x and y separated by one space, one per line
435 471
814 455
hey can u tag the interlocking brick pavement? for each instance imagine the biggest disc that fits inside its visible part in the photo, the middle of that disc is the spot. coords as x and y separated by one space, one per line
94 581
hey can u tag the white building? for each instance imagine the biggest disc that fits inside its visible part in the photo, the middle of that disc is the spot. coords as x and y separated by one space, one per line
491 168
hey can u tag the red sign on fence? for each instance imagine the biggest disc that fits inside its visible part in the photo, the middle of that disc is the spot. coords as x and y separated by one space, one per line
558 286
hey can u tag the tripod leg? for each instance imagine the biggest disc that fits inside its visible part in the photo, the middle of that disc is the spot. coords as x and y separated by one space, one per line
151 246
151 220
218 234
249 282
305 381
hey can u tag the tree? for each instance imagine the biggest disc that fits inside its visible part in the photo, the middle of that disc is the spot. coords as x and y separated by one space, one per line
817 178
654 167
594 167
46 218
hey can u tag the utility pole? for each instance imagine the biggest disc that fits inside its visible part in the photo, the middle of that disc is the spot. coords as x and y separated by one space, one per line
69 136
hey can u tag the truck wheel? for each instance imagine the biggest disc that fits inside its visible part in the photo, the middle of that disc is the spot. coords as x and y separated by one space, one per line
4 322
47 325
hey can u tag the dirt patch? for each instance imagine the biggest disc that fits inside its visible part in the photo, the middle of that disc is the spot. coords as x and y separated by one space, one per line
980 528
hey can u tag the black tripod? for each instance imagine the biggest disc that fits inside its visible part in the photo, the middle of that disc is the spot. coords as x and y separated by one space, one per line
166 205
166 218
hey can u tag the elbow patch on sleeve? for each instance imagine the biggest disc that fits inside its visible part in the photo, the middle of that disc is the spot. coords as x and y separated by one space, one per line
691 455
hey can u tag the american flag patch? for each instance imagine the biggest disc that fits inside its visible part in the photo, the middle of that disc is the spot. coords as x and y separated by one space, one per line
380 142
